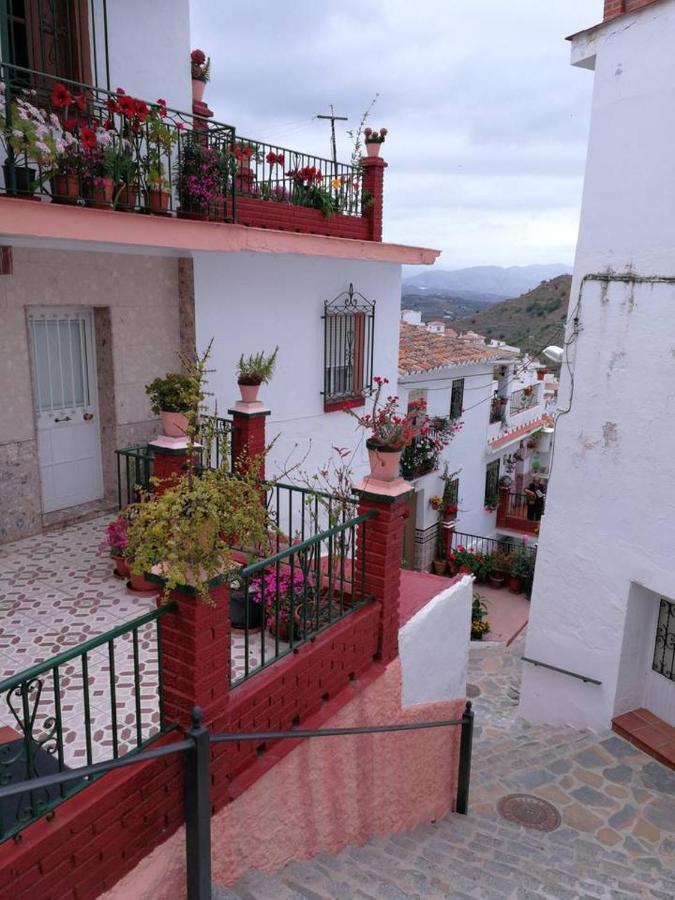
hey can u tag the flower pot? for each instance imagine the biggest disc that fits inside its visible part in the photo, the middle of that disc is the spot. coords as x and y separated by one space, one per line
515 585
496 581
249 392
65 188
198 88
373 148
174 424
157 201
121 569
216 211
24 178
452 568
101 193
385 462
126 197
439 566
476 635
140 585
238 603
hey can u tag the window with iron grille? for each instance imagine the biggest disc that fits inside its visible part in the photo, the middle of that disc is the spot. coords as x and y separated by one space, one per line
457 398
451 492
349 333
492 483
664 647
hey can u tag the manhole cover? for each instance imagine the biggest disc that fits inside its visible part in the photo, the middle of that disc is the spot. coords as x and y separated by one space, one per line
529 811
472 690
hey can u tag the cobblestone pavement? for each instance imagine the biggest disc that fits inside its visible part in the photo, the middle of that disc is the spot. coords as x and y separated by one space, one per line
616 838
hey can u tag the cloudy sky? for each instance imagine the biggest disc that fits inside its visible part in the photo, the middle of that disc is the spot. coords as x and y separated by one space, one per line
487 120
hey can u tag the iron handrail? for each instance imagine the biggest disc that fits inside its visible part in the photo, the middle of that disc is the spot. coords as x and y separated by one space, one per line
80 649
585 678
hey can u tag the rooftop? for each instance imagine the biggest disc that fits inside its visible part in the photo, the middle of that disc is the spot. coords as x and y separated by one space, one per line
423 351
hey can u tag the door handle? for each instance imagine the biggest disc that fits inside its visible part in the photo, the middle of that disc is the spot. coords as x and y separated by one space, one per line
64 419
88 417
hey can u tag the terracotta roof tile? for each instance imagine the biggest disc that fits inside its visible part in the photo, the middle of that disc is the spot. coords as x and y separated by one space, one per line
423 351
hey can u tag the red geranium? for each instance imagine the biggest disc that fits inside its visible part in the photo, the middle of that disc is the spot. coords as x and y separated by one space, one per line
61 96
141 110
198 57
88 138
81 101
127 106
275 159
111 104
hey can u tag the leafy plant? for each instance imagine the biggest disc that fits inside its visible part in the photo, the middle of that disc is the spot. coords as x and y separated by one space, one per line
258 368
388 428
479 622
173 393
200 65
501 563
522 564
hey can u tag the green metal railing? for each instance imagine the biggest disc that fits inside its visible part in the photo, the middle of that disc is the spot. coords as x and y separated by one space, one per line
98 701
281 602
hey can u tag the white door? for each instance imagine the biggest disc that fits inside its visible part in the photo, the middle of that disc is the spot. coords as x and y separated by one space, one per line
66 405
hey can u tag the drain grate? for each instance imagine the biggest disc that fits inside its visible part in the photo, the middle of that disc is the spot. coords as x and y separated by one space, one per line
529 811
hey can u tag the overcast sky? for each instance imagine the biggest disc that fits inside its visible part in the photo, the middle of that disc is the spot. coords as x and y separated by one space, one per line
487 120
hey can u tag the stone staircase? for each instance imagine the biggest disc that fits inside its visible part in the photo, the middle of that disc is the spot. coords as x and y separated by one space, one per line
461 857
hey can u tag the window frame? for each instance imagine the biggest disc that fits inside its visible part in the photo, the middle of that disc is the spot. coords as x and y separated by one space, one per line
456 393
349 336
493 466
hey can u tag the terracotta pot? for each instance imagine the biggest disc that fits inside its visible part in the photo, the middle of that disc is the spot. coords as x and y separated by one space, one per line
439 566
496 581
249 392
385 464
157 201
373 148
515 585
139 584
126 197
101 194
198 88
65 188
121 568
452 569
174 424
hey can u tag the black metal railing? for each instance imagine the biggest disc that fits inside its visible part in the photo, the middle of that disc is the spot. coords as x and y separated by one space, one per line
279 603
525 506
524 399
98 701
296 513
134 471
422 455
196 745
537 662
490 546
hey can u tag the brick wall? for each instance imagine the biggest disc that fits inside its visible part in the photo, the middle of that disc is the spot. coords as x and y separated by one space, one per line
286 217
614 8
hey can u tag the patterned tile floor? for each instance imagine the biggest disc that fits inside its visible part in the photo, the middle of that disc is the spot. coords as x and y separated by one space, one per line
57 590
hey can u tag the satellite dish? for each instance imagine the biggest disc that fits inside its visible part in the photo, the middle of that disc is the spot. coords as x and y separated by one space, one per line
554 354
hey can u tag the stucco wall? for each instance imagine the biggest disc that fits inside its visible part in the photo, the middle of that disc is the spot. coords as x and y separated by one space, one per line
249 302
610 514
140 294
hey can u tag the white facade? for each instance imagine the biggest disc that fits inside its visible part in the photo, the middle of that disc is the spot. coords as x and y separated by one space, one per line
249 302
606 549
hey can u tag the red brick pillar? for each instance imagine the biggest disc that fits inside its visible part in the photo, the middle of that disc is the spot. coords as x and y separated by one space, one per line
448 534
201 112
248 435
169 461
195 656
381 545
503 508
373 193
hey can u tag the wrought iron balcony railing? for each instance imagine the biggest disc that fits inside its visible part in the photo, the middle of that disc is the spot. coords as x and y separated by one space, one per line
71 143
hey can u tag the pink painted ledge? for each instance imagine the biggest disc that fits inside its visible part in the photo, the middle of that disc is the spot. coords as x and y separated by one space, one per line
30 219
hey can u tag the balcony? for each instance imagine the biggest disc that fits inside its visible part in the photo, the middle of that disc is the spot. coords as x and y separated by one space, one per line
73 144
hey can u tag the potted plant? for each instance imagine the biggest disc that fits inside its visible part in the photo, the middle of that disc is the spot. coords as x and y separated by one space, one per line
390 432
200 67
479 622
202 176
286 599
374 140
483 567
522 569
501 565
161 138
244 612
171 398
116 543
254 370
126 186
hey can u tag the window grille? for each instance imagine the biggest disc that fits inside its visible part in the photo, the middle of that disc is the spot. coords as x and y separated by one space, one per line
664 647
349 333
492 483
457 398
453 492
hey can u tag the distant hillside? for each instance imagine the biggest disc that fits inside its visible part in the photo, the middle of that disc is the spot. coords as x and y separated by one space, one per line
530 321
488 283
439 305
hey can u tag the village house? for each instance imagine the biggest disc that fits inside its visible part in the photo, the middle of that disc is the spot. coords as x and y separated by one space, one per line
602 630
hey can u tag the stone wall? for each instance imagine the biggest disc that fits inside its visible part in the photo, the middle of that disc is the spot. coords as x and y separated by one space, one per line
138 335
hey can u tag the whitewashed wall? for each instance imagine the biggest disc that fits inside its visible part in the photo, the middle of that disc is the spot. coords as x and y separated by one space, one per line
610 520
149 49
249 302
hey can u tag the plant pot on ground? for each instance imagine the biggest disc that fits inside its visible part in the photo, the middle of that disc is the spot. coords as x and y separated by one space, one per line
515 585
126 196
140 585
439 566
254 370
66 188
100 193
171 398
243 611
157 201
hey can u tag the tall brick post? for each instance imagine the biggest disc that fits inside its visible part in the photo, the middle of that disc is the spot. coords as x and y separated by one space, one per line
381 546
373 194
195 656
248 435
169 461
503 507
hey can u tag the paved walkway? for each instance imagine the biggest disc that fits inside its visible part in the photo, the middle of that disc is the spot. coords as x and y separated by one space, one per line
616 837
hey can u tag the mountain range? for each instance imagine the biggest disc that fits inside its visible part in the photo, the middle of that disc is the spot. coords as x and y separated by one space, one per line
479 284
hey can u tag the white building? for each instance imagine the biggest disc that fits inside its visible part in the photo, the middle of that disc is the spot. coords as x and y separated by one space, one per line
499 400
604 591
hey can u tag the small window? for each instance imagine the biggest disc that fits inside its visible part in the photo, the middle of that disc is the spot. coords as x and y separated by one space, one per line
664 647
457 398
451 493
348 349
492 483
